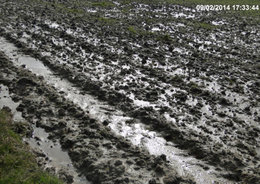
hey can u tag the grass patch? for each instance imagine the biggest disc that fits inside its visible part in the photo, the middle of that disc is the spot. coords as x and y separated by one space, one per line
63 7
17 164
165 38
132 29
139 31
75 8
199 25
205 25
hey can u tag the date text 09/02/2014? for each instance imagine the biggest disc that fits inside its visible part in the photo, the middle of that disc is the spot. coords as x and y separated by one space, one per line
227 7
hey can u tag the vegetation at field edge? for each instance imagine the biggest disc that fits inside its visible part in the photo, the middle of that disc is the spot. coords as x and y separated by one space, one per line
17 164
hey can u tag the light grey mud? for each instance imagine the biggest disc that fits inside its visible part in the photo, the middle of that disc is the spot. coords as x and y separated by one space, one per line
192 77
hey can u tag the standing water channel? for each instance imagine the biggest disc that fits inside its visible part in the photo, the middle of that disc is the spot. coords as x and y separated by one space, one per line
57 158
136 133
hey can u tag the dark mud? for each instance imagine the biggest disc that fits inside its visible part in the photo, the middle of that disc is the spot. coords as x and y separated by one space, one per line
195 84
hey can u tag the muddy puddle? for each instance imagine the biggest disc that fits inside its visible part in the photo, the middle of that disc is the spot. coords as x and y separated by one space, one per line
54 157
137 133
6 101
57 158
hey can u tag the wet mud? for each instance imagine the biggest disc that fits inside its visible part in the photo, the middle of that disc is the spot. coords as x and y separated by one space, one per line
138 92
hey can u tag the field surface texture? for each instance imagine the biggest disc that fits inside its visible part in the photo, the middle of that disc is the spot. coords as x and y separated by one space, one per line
138 92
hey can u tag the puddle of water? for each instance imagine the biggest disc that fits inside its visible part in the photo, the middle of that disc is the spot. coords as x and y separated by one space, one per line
136 133
177 15
191 101
30 63
258 151
156 145
58 158
212 86
206 110
156 29
91 10
140 103
52 24
6 100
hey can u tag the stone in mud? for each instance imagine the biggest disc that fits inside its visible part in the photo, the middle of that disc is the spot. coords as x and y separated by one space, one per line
106 122
163 157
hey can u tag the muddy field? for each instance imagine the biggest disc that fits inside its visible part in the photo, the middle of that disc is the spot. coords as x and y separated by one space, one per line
137 92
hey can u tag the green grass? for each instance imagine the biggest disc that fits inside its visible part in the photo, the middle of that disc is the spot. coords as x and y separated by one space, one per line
107 21
17 164
75 9
206 25
132 29
203 25
68 9
165 38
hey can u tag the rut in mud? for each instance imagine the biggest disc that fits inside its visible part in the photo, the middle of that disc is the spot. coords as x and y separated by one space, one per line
131 85
98 154
136 133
